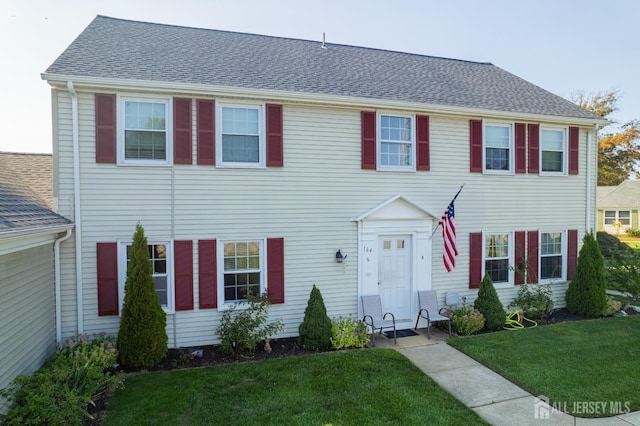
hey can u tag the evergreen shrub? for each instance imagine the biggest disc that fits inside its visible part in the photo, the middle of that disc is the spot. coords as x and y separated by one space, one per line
142 338
586 294
315 329
489 305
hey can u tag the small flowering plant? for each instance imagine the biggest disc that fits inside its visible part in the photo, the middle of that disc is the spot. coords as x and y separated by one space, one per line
99 351
347 332
466 320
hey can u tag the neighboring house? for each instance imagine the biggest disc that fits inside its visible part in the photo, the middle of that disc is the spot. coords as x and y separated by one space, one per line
28 234
251 160
618 207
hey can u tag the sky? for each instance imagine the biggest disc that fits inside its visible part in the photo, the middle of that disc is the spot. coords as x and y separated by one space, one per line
564 46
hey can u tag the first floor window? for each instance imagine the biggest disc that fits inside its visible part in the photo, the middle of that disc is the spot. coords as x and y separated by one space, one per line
145 133
497 257
159 256
613 216
551 255
498 143
243 269
397 142
553 146
240 135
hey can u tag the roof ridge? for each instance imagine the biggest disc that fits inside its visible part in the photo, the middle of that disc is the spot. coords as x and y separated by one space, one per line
296 39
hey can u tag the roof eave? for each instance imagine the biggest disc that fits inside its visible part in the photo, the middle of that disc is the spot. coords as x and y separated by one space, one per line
59 80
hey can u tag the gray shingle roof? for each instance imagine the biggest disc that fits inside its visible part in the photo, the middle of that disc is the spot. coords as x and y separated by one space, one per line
21 207
120 49
626 195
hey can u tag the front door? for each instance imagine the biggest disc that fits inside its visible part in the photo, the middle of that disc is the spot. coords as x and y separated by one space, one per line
394 275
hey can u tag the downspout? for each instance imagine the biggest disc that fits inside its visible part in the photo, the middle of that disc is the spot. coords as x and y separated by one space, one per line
588 219
76 203
56 253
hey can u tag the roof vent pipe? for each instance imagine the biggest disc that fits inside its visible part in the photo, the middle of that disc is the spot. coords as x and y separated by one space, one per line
324 46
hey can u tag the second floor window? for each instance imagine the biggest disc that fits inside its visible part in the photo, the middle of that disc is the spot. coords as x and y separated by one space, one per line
397 142
553 147
145 130
498 151
240 136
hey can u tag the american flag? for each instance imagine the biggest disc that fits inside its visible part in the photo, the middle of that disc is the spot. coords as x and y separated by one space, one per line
448 223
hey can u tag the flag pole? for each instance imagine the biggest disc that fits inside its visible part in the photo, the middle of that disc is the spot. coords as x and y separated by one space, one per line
452 200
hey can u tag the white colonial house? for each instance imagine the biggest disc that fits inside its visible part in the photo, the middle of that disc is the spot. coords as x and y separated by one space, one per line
251 160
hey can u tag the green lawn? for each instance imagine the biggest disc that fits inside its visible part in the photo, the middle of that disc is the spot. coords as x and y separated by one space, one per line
372 386
570 363
632 242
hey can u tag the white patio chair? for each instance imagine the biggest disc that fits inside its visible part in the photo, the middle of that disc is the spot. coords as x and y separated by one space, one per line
374 318
428 300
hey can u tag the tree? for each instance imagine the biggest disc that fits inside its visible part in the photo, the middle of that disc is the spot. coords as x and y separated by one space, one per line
489 305
142 337
586 293
618 152
315 329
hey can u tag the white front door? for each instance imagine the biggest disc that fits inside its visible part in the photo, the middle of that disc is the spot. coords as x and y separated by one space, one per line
394 275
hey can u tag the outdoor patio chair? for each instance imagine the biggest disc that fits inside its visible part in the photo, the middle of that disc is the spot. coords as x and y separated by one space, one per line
374 318
428 301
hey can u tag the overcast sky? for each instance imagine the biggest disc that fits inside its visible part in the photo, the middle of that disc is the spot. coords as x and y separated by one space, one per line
564 46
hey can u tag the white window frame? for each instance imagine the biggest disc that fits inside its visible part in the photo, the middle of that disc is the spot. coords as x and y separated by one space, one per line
120 140
262 145
511 157
510 258
565 151
122 272
223 304
563 236
617 217
379 141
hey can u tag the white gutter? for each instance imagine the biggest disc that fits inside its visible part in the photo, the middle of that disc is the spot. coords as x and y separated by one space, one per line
588 213
76 203
349 102
56 253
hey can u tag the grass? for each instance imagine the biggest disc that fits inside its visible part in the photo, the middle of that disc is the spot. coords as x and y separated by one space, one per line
632 242
372 386
570 363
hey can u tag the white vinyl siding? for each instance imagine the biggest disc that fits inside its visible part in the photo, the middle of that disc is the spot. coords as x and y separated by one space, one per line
27 311
309 203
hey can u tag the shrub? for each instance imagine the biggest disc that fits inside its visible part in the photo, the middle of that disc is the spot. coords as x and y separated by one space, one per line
315 329
586 292
58 393
633 232
348 333
466 320
489 305
242 328
613 306
610 245
534 301
142 338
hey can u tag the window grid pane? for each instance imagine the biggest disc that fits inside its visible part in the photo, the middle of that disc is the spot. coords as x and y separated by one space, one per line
497 147
241 270
497 257
396 141
552 150
240 135
145 136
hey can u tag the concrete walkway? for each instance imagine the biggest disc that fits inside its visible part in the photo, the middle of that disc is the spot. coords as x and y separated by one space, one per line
490 395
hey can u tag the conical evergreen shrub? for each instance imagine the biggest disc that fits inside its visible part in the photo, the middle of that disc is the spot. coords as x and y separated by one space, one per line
315 330
142 338
489 305
586 293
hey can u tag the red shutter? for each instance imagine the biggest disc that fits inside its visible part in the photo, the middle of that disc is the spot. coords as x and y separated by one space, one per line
534 148
105 128
207 272
572 252
368 154
205 112
521 147
275 156
182 131
183 272
574 141
520 257
475 259
275 269
107 267
422 142
475 146
533 254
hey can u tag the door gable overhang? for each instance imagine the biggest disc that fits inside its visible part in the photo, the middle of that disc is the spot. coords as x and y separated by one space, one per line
395 207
